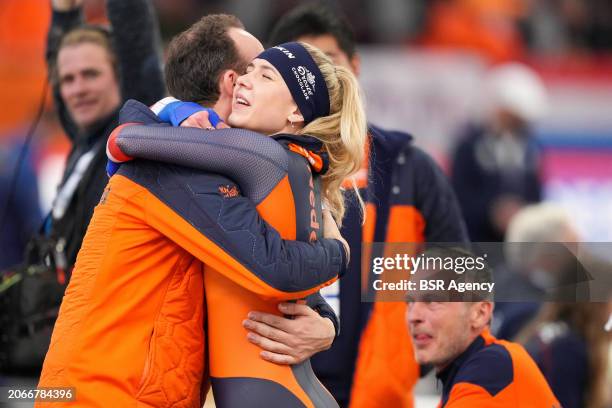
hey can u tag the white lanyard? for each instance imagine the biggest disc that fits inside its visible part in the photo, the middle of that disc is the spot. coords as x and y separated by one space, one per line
64 196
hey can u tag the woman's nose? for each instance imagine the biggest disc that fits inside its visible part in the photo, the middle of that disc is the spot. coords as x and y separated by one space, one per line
244 81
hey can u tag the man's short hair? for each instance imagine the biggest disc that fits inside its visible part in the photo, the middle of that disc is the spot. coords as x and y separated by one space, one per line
314 19
198 56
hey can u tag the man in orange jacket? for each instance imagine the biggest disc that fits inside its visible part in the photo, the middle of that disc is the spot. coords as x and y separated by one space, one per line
130 329
476 369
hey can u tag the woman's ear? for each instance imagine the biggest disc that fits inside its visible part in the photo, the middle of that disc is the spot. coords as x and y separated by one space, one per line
296 118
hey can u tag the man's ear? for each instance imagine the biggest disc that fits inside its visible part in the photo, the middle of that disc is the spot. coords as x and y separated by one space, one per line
481 313
356 64
227 83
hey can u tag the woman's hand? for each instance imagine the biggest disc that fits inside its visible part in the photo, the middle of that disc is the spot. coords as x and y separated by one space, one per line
331 231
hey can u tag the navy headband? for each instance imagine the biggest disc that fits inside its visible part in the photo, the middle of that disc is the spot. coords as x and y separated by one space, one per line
303 78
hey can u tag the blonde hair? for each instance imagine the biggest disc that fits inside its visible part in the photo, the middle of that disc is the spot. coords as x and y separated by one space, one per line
343 132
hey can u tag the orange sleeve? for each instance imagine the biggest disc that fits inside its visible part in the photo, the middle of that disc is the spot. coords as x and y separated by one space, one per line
465 395
230 236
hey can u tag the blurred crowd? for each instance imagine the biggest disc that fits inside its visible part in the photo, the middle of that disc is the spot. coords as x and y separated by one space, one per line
499 29
495 161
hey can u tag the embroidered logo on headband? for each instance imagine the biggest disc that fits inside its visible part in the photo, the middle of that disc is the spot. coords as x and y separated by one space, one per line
306 80
303 78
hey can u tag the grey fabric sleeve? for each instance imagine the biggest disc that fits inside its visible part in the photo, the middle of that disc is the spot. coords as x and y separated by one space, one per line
255 162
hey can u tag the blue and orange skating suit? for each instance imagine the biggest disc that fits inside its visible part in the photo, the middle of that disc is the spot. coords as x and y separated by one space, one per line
131 329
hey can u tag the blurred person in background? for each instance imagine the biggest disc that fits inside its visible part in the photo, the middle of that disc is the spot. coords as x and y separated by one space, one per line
567 340
408 199
495 166
475 368
489 28
573 27
530 270
20 217
20 214
92 70
571 347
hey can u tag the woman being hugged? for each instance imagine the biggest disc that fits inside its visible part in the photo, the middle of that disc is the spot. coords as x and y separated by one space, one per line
293 92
